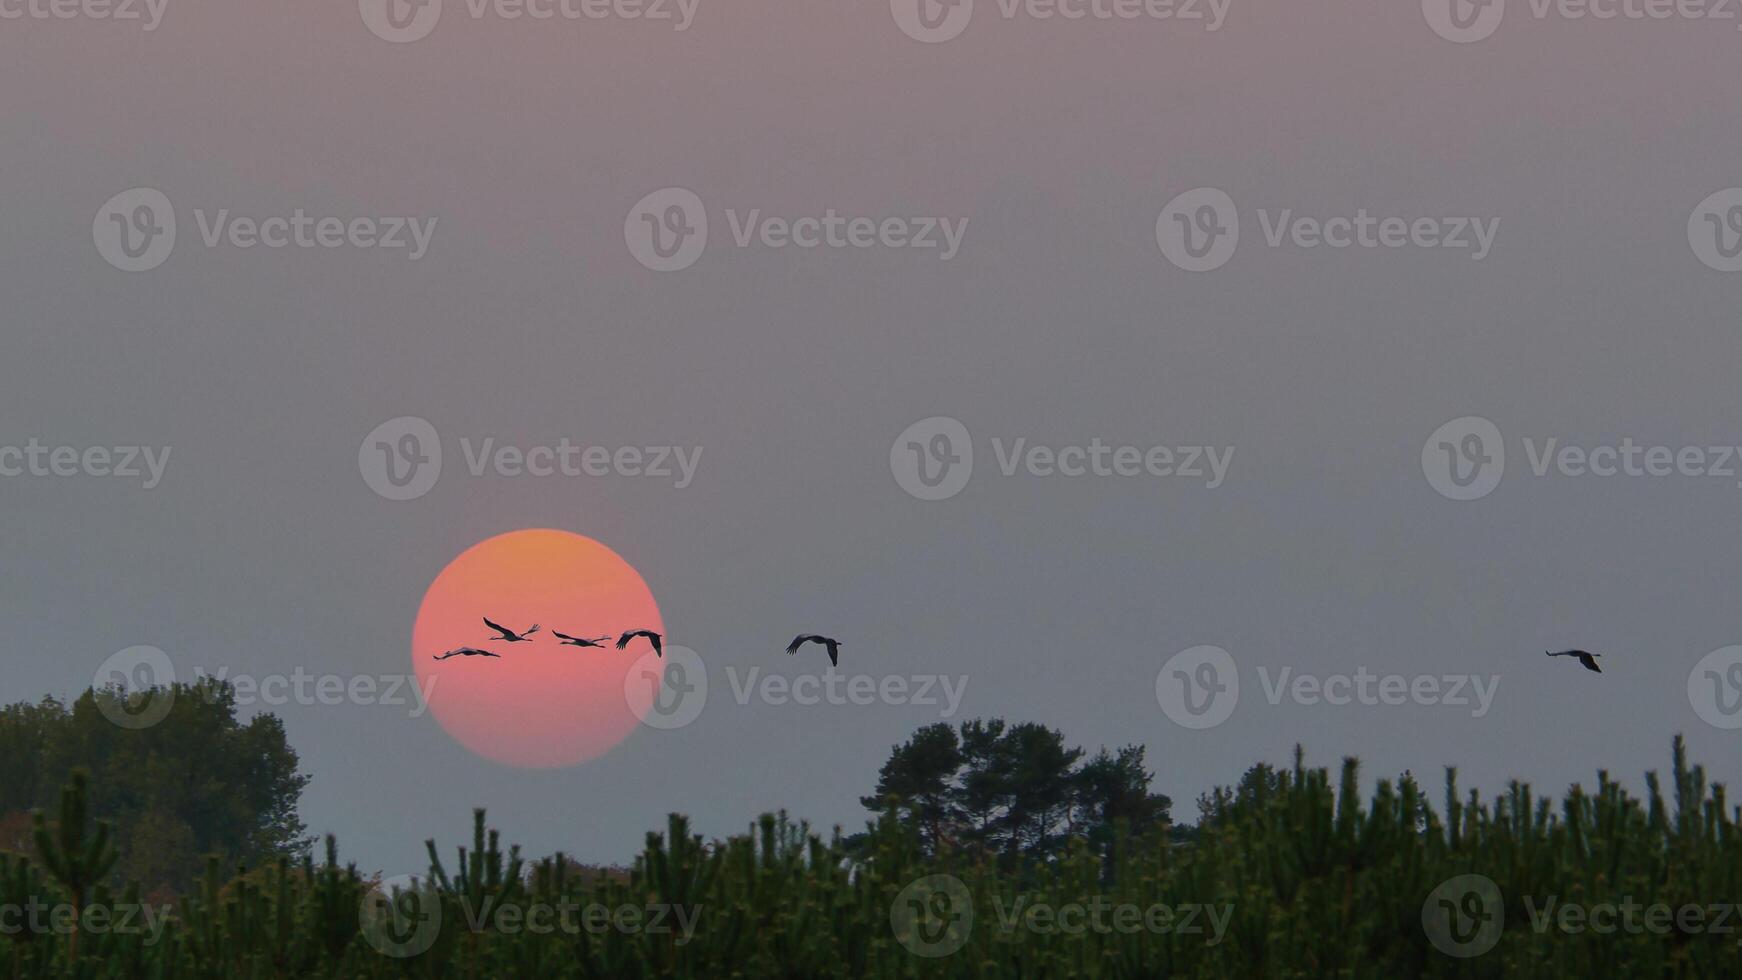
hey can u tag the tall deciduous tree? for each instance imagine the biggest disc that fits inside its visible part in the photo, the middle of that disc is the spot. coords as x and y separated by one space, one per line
1017 791
201 781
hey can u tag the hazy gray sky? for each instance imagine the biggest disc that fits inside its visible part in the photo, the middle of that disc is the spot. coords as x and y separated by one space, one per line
1590 320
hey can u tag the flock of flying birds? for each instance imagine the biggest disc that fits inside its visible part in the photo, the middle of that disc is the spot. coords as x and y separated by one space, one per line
654 639
657 641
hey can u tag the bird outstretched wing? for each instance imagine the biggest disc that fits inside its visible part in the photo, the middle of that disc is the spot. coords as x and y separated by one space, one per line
498 627
652 638
466 652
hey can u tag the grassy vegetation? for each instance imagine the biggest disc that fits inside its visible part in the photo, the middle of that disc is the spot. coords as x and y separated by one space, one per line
1294 874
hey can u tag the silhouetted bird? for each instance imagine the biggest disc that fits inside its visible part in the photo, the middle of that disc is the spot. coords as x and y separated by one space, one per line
833 645
1588 659
652 637
467 652
579 641
509 635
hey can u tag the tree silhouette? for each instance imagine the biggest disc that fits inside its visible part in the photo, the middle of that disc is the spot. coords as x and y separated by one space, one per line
77 860
1016 791
200 781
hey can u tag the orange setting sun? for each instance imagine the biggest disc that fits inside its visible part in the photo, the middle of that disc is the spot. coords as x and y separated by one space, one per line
538 703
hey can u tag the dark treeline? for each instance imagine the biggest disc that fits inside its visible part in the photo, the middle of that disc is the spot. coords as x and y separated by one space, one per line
977 831
1015 791
195 783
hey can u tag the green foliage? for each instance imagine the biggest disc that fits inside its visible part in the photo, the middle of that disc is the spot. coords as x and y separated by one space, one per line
1309 878
76 857
200 781
1016 791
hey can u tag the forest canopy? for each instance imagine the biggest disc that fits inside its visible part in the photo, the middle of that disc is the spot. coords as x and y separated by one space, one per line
201 781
